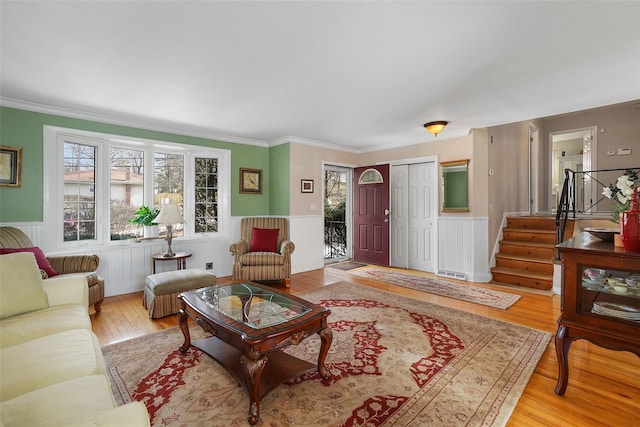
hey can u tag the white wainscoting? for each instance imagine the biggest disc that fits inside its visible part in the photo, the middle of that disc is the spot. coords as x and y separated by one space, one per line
125 266
463 251
307 233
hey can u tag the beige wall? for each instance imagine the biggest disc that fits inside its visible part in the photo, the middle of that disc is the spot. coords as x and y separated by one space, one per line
307 163
618 127
508 150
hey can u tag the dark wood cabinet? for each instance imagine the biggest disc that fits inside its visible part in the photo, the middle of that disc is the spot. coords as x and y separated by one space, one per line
597 304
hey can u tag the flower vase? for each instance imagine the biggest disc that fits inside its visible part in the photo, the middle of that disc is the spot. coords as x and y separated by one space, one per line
630 224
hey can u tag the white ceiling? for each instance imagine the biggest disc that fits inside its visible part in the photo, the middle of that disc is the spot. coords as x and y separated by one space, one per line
362 75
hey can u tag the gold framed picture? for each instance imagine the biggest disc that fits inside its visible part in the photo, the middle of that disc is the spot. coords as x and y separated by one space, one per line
250 181
10 166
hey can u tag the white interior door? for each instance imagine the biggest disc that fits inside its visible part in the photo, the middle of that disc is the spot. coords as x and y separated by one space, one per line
399 190
413 216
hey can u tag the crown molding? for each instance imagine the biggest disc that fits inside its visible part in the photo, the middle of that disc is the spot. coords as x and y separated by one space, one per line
153 125
307 141
199 132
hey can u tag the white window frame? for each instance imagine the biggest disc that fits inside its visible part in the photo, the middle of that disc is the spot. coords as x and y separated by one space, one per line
53 144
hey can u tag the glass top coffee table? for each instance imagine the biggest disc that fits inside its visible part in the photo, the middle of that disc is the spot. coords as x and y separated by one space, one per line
251 324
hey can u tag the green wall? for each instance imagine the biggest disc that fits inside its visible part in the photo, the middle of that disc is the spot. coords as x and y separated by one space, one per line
24 129
279 196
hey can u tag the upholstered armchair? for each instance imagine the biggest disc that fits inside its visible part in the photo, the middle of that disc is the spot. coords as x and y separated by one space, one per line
263 251
13 239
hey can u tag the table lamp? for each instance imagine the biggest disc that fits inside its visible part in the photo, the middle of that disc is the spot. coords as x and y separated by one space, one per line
169 215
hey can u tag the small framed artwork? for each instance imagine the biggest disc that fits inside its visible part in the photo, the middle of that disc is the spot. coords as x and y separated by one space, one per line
250 181
10 166
306 185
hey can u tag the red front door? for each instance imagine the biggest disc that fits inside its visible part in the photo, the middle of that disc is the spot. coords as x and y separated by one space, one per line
371 214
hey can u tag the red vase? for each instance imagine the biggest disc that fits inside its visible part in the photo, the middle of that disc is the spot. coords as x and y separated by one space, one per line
630 225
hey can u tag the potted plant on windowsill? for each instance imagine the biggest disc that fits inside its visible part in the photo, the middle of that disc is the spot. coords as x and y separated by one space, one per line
144 217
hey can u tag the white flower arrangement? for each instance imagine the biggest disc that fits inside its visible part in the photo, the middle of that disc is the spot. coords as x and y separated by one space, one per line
621 193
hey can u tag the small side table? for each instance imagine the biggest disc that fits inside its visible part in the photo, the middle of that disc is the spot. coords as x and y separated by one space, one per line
179 257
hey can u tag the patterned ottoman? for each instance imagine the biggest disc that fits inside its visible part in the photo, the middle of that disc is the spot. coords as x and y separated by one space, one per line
162 289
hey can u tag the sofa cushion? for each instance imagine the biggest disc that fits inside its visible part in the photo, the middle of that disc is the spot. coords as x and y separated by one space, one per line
262 258
264 240
60 404
37 324
49 360
20 285
43 262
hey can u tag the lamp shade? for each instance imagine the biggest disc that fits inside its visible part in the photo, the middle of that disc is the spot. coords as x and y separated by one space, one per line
169 214
436 127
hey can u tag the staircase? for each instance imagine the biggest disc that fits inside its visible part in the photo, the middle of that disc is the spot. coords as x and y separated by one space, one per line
527 251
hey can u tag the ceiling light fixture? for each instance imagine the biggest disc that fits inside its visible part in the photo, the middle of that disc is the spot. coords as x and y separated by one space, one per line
436 127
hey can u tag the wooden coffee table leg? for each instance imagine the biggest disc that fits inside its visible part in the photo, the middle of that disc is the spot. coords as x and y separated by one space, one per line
326 338
563 343
184 327
252 365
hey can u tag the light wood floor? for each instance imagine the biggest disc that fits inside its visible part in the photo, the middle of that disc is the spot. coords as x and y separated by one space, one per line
604 385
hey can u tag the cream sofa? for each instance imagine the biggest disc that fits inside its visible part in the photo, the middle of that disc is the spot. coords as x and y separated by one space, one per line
53 371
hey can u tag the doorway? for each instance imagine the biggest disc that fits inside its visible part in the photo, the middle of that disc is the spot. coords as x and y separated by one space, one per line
572 149
337 213
371 214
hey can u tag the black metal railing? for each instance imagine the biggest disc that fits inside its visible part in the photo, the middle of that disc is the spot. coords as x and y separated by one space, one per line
576 196
335 239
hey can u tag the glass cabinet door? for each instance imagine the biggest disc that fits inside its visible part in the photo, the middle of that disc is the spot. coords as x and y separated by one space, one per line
611 293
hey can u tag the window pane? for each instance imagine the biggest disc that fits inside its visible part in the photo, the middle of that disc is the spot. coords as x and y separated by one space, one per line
168 184
79 192
206 193
126 188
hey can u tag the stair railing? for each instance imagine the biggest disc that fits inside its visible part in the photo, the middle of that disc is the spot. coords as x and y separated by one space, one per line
567 204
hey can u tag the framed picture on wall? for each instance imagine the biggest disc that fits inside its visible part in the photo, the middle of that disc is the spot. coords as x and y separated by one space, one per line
306 186
10 166
250 181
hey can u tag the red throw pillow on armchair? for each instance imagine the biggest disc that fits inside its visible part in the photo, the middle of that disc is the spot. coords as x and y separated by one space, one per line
264 240
42 261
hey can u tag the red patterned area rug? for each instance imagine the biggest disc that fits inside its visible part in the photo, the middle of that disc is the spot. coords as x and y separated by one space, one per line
394 361
491 298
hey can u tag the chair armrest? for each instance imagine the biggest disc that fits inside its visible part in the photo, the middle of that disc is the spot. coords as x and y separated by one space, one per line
287 247
66 290
239 248
131 414
74 263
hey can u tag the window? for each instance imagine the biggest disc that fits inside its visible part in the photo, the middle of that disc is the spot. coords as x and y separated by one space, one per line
168 183
98 182
126 185
206 200
79 203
